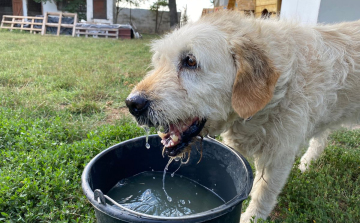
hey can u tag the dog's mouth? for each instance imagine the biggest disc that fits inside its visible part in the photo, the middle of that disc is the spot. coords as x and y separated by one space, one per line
177 137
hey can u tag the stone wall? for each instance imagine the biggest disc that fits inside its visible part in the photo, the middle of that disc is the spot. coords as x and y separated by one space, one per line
144 20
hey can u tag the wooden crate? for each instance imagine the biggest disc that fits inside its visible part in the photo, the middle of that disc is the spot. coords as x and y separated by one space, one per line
59 25
97 32
125 33
9 21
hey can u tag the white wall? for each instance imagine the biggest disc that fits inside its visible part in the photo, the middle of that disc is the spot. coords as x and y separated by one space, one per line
144 20
24 2
332 11
218 3
49 7
304 11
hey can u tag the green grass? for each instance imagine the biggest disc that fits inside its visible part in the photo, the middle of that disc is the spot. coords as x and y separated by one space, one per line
61 103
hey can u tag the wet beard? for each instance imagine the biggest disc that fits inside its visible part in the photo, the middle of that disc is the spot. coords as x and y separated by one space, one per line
178 139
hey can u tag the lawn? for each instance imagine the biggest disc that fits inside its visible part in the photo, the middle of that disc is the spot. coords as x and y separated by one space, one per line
62 102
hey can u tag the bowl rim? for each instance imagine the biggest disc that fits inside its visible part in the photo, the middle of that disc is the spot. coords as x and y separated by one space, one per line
215 212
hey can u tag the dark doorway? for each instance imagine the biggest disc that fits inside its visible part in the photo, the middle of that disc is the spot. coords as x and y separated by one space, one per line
99 9
5 8
265 14
34 8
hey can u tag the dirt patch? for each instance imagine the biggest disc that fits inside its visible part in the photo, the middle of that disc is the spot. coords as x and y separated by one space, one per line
113 114
352 127
356 127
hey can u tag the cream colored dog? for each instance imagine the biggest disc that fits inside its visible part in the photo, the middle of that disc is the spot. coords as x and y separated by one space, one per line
266 86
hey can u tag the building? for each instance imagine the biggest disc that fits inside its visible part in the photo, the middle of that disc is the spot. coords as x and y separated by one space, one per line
20 7
304 11
320 11
267 8
260 8
28 7
100 11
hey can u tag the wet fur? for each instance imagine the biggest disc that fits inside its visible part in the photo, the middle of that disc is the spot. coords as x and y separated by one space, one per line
297 82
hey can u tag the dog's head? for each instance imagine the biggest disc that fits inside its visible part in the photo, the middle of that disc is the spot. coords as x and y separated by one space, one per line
200 74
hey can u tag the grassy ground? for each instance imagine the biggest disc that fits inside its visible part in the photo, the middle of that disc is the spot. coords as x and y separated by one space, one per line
61 103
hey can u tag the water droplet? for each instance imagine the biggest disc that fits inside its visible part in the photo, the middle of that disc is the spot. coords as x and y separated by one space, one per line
154 178
147 131
165 169
152 170
195 193
172 175
215 185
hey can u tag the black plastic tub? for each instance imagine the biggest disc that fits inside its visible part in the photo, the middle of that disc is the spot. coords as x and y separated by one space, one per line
220 166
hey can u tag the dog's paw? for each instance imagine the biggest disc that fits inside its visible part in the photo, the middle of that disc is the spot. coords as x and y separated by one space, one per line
247 218
304 165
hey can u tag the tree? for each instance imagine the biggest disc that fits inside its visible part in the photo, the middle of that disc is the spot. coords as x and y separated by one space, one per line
184 17
74 6
173 14
121 4
155 7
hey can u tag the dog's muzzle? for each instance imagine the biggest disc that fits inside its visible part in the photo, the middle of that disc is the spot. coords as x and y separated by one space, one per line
137 104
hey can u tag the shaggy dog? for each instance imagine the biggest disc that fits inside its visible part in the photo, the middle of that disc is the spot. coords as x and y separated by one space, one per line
267 86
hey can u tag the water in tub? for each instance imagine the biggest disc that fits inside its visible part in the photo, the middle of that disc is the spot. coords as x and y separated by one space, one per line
145 193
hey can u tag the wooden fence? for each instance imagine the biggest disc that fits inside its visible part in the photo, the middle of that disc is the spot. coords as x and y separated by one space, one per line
10 22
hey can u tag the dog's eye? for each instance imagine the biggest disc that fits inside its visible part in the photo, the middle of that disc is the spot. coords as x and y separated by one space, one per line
190 62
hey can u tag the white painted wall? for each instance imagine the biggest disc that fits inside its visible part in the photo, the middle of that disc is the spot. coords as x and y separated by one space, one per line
144 20
304 11
218 3
24 2
49 7
110 7
332 11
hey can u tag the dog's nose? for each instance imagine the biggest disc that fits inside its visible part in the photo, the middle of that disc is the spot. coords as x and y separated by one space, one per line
137 104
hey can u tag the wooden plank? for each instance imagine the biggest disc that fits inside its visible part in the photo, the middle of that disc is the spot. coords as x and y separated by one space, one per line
74 27
62 25
59 24
43 30
67 26
20 17
64 14
2 21
32 25
22 24
99 29
97 34
25 23
12 24
25 29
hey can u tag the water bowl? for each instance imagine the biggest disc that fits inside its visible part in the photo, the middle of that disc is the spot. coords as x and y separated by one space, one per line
221 170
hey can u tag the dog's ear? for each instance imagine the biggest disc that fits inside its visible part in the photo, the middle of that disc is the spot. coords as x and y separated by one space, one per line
255 79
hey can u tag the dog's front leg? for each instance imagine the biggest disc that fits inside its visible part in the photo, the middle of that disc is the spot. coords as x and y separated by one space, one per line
270 177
